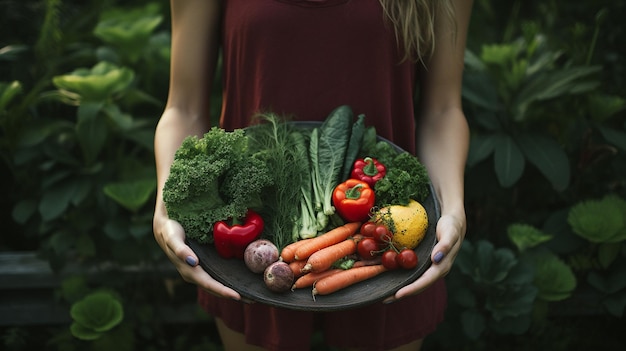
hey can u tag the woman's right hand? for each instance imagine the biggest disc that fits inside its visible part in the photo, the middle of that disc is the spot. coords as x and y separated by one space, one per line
170 236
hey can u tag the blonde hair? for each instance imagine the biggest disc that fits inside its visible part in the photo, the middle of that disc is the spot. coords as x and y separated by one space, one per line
414 24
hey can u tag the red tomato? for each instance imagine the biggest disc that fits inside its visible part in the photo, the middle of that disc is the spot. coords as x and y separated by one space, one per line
382 234
407 259
367 248
389 259
368 228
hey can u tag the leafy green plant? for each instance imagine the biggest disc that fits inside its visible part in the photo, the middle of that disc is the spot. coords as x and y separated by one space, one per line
80 153
507 87
554 279
582 247
602 224
599 221
129 30
95 314
493 289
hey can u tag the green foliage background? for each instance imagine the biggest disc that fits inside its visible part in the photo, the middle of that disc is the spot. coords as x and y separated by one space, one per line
82 84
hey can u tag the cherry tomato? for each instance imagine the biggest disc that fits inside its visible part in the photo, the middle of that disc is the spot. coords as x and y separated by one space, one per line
407 259
368 228
389 260
382 234
367 248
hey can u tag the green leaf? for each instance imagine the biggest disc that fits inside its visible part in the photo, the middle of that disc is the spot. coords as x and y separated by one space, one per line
81 332
56 199
608 252
554 279
526 236
488 120
508 160
40 131
481 147
91 130
473 62
96 84
550 85
612 281
133 194
12 52
99 311
122 121
514 301
473 323
8 91
479 90
499 54
564 241
548 157
82 189
493 264
597 220
618 203
126 27
522 273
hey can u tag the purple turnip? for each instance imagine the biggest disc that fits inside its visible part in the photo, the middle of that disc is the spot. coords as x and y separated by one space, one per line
259 254
278 277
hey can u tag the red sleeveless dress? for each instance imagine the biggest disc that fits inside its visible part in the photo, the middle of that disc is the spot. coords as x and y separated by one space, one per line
303 58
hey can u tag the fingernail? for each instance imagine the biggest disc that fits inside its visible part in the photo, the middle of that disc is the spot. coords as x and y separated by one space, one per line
191 261
438 257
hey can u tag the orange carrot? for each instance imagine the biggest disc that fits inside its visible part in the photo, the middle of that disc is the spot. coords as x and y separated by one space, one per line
346 278
309 279
288 252
323 259
296 268
368 262
333 236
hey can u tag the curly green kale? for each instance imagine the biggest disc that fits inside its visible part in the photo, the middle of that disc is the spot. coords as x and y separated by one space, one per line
406 179
213 178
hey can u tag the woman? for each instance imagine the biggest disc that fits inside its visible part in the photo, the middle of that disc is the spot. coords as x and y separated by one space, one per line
303 58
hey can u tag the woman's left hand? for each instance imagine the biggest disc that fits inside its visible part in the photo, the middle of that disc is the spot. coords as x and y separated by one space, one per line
450 235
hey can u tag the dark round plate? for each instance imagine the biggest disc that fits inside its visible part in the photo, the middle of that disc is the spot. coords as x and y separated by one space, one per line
234 274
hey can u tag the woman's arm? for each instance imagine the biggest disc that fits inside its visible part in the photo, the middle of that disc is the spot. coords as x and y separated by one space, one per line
443 138
195 44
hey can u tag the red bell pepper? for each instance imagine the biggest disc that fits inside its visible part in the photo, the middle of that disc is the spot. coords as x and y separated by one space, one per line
369 170
231 240
353 200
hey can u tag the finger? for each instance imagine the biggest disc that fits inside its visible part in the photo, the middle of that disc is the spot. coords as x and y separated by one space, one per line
212 286
449 236
176 244
187 262
430 276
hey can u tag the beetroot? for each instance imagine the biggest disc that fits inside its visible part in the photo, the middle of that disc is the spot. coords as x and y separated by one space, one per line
278 276
259 254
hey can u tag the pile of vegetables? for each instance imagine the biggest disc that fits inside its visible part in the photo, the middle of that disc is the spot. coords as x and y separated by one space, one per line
303 182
